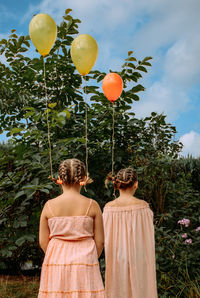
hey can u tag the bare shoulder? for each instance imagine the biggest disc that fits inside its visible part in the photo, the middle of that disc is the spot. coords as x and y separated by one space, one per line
111 204
120 203
95 208
54 200
48 206
139 202
95 205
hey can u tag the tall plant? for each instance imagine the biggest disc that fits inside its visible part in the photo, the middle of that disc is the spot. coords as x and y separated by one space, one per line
24 165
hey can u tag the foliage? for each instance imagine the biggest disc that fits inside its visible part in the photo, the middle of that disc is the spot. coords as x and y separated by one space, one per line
168 184
25 166
15 287
177 246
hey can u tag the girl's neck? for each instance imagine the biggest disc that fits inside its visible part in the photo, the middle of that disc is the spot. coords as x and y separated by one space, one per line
76 188
127 193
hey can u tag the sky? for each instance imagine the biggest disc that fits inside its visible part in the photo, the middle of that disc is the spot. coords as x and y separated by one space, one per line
167 30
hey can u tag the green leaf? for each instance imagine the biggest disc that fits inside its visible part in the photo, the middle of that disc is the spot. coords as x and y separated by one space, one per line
28 114
3 41
16 130
142 68
147 59
67 113
23 224
67 18
37 117
30 238
52 105
146 63
2 220
131 65
130 53
137 88
67 11
131 59
14 36
128 100
19 194
44 190
29 108
20 241
6 253
133 96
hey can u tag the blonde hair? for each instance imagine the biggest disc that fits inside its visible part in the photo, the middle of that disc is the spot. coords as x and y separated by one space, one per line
124 179
72 171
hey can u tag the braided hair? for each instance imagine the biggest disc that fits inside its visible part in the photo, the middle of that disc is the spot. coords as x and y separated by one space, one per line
72 171
124 179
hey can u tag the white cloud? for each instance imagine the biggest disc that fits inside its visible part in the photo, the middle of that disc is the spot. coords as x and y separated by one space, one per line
168 30
191 143
182 62
172 36
162 98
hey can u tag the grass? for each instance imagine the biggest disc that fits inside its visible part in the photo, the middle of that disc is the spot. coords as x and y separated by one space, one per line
27 287
18 286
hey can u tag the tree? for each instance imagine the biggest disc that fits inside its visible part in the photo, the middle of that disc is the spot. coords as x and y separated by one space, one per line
24 171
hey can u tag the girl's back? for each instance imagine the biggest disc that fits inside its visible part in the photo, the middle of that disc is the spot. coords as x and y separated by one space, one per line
70 267
130 252
70 204
129 242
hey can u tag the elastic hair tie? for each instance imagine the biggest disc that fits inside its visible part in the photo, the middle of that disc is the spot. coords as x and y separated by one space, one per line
59 181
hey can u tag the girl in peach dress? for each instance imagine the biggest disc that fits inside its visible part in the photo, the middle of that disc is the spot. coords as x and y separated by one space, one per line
129 242
71 235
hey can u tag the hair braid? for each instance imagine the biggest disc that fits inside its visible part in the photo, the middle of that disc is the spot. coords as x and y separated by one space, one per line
72 171
124 179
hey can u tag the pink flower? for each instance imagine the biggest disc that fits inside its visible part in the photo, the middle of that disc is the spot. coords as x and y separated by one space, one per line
184 222
197 229
184 235
188 241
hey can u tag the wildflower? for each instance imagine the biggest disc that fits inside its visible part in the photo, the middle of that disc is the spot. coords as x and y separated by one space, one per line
188 241
184 235
184 222
197 229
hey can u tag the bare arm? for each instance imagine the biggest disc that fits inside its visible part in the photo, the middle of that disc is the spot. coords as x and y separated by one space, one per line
98 228
44 230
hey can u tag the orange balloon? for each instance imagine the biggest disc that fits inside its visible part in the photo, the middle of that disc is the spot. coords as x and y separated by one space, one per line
112 86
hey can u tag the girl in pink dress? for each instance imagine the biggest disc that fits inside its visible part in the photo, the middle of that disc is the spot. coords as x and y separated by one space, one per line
71 235
129 242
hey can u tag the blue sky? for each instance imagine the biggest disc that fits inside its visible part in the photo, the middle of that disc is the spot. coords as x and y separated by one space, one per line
167 30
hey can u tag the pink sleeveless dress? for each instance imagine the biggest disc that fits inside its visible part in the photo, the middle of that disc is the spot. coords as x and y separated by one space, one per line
129 252
70 267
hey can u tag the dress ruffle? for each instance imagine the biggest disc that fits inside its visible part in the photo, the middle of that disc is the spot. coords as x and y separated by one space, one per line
70 267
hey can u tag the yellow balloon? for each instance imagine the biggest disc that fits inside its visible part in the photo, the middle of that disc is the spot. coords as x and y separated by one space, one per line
84 52
43 32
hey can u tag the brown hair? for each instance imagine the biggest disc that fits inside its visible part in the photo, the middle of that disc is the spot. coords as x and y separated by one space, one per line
72 171
124 179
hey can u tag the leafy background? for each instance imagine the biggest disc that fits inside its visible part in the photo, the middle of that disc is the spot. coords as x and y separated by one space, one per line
169 183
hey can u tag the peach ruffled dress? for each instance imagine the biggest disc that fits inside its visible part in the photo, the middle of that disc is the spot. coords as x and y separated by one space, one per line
70 267
130 252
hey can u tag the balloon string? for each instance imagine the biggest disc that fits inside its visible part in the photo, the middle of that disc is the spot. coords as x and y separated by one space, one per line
113 138
86 131
113 144
48 127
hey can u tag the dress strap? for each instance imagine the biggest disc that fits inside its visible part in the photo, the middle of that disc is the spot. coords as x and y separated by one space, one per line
50 209
88 207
